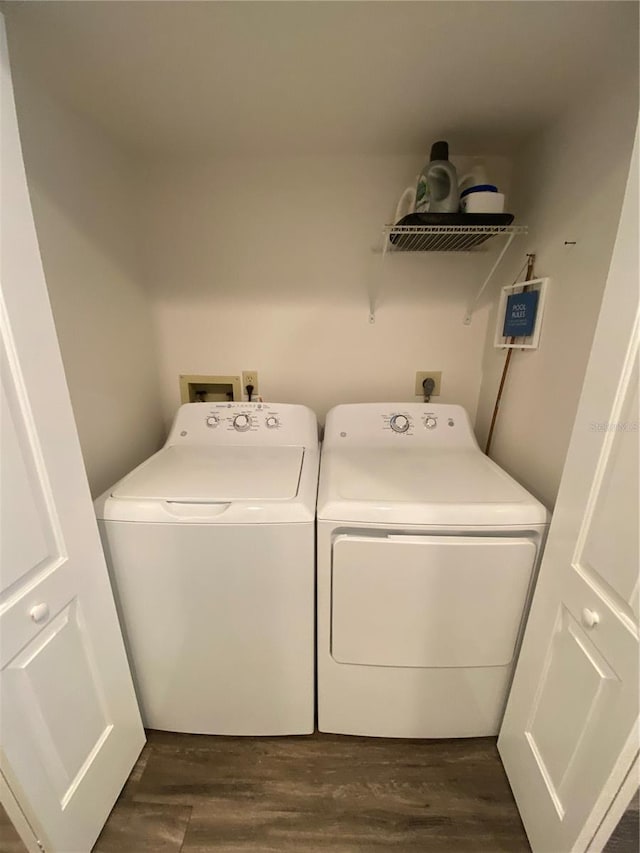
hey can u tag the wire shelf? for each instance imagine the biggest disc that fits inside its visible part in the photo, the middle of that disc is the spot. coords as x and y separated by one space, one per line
444 238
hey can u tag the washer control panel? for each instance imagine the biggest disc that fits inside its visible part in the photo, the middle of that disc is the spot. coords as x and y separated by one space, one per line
245 419
401 424
240 423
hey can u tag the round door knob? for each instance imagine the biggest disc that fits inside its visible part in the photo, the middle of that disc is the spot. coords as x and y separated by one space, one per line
399 423
242 423
40 612
430 423
212 421
589 618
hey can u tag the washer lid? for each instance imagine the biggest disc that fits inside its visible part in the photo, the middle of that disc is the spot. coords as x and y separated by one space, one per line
210 474
422 486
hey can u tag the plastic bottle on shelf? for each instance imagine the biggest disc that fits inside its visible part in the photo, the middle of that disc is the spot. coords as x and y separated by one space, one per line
437 190
476 176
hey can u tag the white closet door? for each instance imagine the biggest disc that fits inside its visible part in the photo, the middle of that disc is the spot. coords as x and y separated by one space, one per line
69 725
570 732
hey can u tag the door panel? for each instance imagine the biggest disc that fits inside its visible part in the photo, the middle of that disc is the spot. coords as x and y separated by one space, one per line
570 731
610 554
579 680
33 680
28 542
70 725
70 729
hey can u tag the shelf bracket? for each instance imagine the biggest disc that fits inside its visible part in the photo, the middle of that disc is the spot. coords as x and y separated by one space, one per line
472 305
374 289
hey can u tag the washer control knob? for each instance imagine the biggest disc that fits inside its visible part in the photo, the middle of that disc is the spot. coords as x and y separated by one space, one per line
212 421
272 422
399 423
430 423
241 423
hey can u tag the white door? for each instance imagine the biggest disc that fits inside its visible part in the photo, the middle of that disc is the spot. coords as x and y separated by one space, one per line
70 729
570 732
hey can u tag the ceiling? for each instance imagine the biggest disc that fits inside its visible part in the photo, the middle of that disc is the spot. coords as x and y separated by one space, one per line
319 77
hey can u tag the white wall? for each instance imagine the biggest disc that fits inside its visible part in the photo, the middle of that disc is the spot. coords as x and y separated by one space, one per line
265 264
568 185
83 197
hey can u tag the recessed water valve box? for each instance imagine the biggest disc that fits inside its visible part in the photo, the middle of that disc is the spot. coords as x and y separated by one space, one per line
209 389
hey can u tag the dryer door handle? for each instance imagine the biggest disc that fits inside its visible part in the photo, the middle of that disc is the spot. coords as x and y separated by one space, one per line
408 538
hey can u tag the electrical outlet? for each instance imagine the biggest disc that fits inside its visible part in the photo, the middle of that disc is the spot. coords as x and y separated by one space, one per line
250 377
421 375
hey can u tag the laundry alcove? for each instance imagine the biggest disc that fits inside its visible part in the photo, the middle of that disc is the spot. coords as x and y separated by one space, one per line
198 215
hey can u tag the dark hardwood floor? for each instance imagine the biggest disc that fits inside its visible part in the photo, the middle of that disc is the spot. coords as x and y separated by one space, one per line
9 839
190 794
626 835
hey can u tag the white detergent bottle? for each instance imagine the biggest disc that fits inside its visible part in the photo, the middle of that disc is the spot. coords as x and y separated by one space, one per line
475 177
437 190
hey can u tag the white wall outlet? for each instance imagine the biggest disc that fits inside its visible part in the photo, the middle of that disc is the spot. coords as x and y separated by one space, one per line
250 377
421 375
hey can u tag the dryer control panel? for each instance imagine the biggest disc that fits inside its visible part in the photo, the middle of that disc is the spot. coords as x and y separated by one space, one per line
399 424
244 423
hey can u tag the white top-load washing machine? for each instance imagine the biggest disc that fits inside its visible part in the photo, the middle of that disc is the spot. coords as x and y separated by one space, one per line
427 553
210 545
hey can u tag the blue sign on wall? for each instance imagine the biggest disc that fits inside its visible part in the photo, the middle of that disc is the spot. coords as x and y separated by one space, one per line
520 316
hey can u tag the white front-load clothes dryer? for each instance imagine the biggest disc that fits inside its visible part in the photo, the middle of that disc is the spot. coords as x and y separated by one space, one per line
427 554
210 546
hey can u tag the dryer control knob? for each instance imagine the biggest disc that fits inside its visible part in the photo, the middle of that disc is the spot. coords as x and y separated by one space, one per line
430 423
241 423
212 421
272 422
399 423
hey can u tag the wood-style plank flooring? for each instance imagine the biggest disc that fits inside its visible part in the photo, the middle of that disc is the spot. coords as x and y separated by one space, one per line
9 839
191 794
626 835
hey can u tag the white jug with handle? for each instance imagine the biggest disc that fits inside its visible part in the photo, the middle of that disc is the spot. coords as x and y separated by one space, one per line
476 177
437 186
406 204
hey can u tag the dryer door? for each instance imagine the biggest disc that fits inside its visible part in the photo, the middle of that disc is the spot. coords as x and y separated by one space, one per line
428 601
